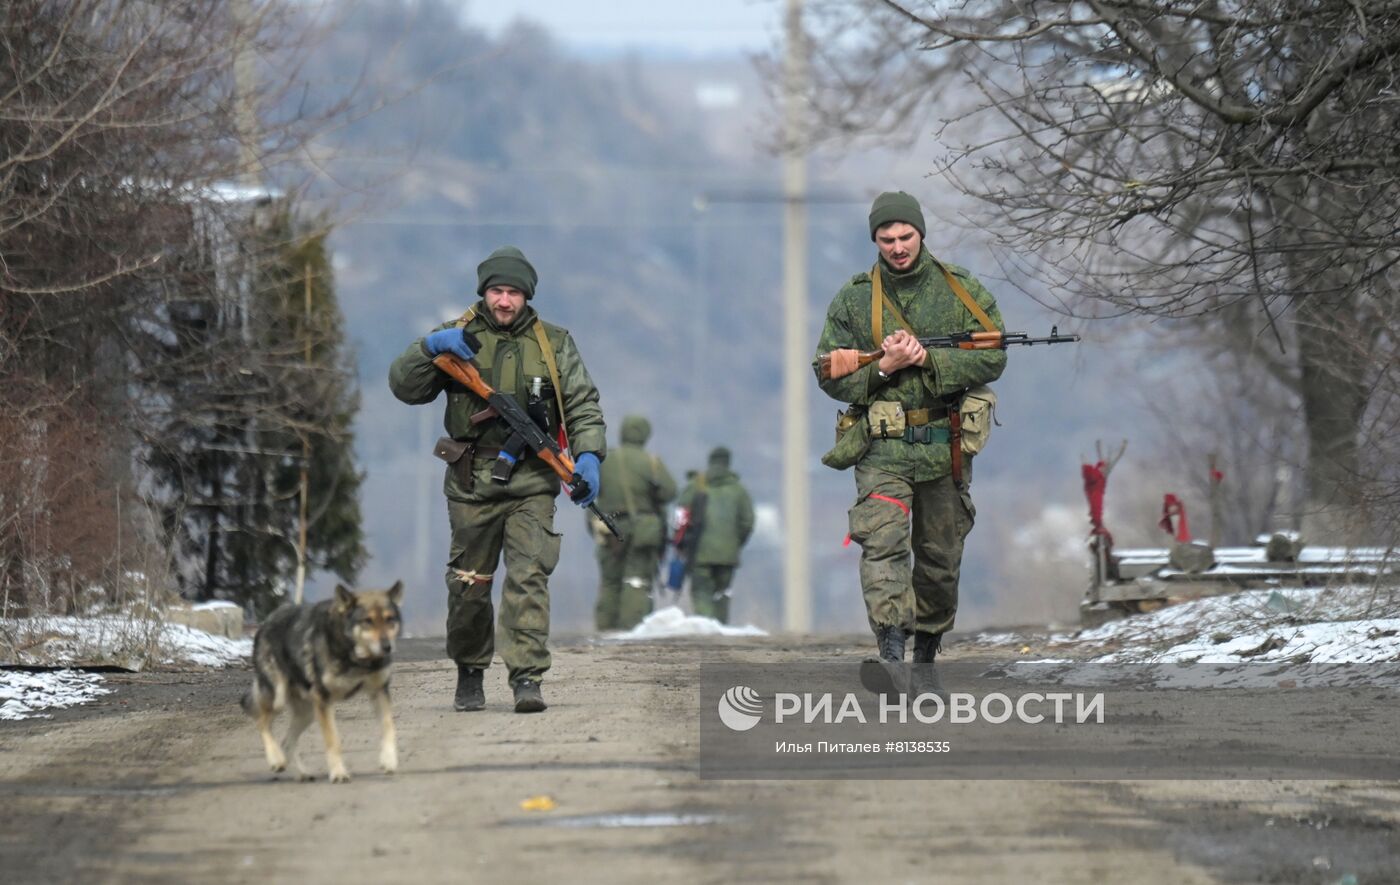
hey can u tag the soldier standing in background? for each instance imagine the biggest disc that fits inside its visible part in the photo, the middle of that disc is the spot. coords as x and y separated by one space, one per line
908 498
719 521
637 487
499 501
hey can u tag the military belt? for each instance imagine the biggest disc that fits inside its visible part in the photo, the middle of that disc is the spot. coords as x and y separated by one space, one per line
926 434
920 417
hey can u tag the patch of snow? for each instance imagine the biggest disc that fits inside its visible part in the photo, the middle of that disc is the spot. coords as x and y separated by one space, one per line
183 644
122 640
1347 625
671 622
23 694
214 604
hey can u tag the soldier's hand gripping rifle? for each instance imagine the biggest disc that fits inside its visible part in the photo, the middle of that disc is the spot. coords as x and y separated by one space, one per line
840 363
510 411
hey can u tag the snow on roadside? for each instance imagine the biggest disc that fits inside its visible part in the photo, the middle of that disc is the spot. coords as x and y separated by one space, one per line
24 694
121 640
1344 625
671 622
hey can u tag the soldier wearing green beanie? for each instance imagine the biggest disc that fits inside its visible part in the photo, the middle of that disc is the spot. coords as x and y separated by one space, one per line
502 509
909 505
507 266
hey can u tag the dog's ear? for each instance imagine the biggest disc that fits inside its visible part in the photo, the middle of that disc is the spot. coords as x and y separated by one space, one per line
396 593
344 599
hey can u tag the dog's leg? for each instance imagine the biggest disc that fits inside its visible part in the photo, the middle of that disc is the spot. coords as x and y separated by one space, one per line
301 717
389 745
276 760
334 760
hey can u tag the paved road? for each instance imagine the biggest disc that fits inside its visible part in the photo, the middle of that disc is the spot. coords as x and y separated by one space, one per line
163 781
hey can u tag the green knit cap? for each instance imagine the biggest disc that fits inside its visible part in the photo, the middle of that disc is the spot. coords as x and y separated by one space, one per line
507 266
719 457
895 206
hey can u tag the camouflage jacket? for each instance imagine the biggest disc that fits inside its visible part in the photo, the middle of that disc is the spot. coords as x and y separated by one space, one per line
728 517
923 295
509 358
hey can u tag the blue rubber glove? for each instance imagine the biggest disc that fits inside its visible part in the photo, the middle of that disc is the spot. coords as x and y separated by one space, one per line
586 467
448 341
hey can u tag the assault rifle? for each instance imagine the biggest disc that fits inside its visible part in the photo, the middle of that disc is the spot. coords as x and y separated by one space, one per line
520 424
840 363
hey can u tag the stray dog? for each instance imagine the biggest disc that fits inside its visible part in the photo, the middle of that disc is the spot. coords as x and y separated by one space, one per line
310 657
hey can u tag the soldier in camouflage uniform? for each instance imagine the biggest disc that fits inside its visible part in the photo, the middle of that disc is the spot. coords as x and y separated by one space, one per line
537 363
906 498
637 487
720 514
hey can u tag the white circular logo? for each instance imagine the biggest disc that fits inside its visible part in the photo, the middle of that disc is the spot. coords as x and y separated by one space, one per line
740 708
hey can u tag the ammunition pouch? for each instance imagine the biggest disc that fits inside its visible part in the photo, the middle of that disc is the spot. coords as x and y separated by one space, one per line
456 454
852 439
887 420
507 457
978 411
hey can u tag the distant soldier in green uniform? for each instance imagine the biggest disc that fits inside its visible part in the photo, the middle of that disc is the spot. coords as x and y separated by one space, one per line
907 500
719 520
637 487
501 501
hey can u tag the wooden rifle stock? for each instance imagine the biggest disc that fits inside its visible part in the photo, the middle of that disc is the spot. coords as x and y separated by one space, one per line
466 374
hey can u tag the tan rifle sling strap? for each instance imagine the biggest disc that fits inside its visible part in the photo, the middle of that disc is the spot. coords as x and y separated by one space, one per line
547 351
955 414
973 307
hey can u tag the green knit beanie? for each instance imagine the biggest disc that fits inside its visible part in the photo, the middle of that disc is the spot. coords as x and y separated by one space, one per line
719 457
895 206
507 266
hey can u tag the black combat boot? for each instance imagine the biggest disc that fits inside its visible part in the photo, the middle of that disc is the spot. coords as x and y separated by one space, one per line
886 674
470 693
891 641
527 696
925 676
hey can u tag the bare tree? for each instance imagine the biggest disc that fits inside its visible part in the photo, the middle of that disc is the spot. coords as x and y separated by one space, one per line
130 256
1235 165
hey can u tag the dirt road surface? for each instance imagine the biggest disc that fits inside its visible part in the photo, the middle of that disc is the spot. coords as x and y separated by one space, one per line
164 781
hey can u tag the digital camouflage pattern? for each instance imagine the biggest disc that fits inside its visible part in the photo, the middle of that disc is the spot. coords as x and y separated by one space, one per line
923 295
907 506
636 487
513 520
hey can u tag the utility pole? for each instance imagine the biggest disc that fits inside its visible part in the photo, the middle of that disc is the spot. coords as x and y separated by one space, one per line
245 86
797 591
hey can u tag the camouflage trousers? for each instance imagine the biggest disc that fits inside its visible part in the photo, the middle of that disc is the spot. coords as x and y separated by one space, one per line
895 520
523 530
625 578
709 590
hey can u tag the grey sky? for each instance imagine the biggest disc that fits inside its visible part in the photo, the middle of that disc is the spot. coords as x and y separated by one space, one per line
667 26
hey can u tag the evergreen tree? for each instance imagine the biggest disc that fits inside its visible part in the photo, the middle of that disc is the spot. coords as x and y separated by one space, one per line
306 401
